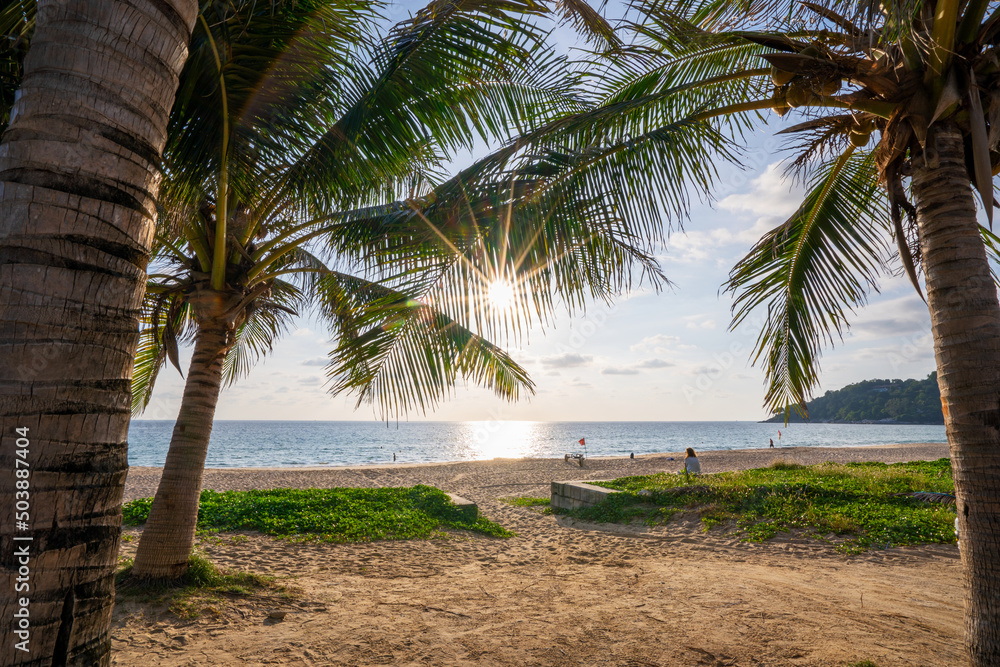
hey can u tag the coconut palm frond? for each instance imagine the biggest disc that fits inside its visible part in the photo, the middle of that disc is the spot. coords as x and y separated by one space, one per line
803 277
589 23
548 241
822 139
149 358
258 80
992 243
399 353
455 72
267 319
723 15
644 70
165 322
649 175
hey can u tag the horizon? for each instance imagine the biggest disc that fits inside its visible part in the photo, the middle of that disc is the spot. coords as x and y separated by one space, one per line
430 419
524 421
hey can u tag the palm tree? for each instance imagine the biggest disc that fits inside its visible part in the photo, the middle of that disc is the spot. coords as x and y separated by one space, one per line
79 184
897 127
283 175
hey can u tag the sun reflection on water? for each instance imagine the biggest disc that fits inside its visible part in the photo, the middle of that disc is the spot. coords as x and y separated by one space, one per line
500 439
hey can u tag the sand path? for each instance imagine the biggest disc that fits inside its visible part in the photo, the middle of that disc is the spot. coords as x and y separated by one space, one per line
561 593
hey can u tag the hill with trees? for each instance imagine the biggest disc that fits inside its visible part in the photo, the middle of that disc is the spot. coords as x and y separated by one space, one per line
875 401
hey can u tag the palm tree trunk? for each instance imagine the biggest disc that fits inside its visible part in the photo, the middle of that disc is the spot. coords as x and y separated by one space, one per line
78 182
965 321
168 538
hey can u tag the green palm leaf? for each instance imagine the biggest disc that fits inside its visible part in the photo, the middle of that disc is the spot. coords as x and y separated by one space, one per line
265 321
455 72
166 319
809 272
463 238
400 354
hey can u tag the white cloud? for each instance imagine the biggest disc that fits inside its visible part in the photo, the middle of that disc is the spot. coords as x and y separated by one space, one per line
618 370
905 316
697 247
761 226
305 336
568 360
316 362
657 343
770 197
905 350
771 194
698 322
655 363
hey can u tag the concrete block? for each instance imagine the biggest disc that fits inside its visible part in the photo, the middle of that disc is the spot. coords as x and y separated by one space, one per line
468 510
571 495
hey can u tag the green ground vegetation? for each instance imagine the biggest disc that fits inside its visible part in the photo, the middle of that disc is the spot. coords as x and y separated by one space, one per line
330 515
204 588
536 504
861 504
527 501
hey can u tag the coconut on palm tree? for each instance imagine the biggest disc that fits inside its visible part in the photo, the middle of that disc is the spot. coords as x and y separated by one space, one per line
894 121
300 173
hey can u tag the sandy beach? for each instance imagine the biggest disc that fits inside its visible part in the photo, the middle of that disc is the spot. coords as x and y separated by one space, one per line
561 592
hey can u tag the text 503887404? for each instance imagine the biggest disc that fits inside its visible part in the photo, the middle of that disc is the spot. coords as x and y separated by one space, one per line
22 540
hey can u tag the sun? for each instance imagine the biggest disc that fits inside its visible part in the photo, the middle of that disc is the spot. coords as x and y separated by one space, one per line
500 294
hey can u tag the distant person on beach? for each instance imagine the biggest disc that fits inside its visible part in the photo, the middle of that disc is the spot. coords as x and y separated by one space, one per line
691 464
394 457
771 440
632 455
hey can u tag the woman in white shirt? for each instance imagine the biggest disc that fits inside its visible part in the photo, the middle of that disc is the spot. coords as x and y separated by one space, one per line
691 464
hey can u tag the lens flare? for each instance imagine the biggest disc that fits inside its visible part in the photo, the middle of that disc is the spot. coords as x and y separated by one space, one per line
500 294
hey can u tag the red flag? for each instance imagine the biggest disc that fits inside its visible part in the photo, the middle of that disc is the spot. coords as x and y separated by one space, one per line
583 441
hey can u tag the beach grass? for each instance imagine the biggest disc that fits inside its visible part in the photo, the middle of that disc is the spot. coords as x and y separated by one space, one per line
330 515
527 501
203 589
540 505
861 505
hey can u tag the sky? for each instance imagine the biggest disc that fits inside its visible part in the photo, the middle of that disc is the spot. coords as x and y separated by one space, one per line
667 356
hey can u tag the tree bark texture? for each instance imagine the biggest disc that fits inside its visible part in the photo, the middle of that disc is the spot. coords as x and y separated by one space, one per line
965 322
78 182
168 537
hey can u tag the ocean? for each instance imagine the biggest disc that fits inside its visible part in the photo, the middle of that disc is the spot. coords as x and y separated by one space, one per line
249 444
